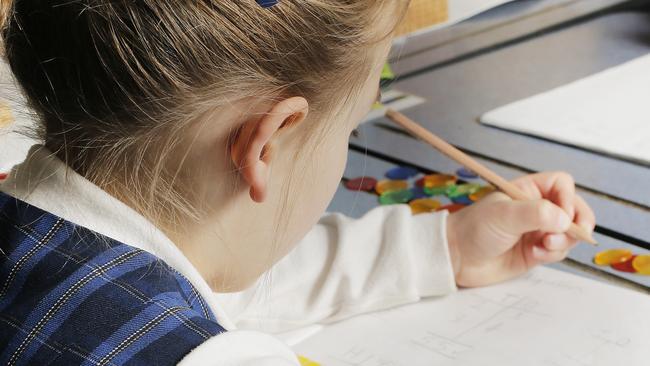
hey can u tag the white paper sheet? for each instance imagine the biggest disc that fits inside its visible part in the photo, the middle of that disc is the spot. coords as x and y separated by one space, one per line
546 318
608 112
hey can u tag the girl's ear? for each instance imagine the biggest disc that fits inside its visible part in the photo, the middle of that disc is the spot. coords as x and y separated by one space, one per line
250 147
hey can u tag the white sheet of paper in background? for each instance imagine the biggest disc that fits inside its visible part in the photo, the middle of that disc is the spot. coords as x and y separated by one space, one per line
545 318
608 112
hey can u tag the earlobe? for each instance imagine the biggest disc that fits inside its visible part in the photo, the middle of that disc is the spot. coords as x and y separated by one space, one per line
250 147
257 176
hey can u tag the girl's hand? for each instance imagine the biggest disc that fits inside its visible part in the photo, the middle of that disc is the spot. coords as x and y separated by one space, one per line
497 238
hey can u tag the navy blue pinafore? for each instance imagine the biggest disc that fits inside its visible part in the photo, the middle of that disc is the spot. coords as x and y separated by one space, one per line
70 296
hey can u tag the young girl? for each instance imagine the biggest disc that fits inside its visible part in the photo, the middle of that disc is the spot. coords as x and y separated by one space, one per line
189 150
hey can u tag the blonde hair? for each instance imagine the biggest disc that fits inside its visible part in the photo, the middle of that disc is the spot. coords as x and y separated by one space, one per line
114 83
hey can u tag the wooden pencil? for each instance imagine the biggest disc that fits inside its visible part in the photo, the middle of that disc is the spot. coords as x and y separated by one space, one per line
505 186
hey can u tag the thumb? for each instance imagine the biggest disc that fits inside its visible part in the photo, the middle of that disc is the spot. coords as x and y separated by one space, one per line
520 217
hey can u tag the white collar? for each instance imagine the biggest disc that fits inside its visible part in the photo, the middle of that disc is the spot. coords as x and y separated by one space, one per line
44 181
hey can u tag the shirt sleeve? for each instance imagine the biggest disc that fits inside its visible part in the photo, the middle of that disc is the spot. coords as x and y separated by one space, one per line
345 267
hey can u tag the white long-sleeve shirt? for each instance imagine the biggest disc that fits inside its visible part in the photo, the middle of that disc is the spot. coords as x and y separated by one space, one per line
343 267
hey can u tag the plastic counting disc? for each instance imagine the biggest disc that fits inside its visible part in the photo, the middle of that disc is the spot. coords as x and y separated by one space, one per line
438 180
424 205
466 173
463 190
435 191
361 184
609 257
418 192
481 193
625 266
463 200
391 185
641 264
401 172
452 207
394 197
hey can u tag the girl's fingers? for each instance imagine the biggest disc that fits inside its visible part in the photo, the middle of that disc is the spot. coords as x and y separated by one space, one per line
557 187
584 217
529 187
542 255
555 242
520 217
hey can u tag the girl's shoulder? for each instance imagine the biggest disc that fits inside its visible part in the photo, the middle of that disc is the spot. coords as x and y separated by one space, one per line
69 295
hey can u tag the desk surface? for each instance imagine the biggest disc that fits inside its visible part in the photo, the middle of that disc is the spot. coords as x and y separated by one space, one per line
458 93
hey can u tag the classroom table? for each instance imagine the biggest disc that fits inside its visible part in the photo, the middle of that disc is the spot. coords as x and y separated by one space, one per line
556 42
